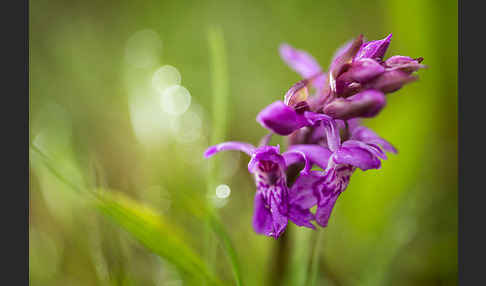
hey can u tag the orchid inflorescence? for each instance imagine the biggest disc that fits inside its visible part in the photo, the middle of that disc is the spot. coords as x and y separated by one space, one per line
324 131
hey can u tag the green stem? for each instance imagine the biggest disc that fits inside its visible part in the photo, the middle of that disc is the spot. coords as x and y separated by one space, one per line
219 83
315 258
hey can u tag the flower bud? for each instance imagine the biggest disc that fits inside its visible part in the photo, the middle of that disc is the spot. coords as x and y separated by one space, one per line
367 103
405 64
374 49
391 81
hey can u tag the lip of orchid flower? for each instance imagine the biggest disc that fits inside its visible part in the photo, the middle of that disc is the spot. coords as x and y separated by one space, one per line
268 166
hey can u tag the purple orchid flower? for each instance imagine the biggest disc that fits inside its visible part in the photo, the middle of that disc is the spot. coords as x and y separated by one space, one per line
268 166
356 83
323 130
363 149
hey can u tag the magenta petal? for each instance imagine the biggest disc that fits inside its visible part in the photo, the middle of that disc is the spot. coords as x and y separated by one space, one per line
271 208
367 103
281 118
357 154
301 217
342 58
296 156
266 153
364 70
391 81
301 193
332 135
320 83
231 145
262 217
325 207
301 61
374 49
279 210
403 63
364 134
316 154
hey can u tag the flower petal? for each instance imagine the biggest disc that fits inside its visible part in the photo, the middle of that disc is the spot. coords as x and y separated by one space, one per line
296 156
266 153
357 154
367 103
391 80
405 64
279 210
231 145
301 61
262 217
281 118
343 57
315 154
325 206
301 217
363 70
364 134
270 211
374 49
332 135
301 193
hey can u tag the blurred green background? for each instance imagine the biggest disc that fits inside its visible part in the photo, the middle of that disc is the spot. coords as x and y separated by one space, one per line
104 110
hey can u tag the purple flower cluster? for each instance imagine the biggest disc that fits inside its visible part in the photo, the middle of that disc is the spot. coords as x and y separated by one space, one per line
323 130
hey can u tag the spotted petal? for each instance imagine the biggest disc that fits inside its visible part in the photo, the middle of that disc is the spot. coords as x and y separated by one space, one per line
269 217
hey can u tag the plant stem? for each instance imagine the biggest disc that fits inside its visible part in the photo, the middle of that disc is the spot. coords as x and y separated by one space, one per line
315 258
219 82
279 262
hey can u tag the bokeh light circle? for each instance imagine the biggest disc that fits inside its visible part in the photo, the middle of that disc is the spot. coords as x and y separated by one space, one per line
175 100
